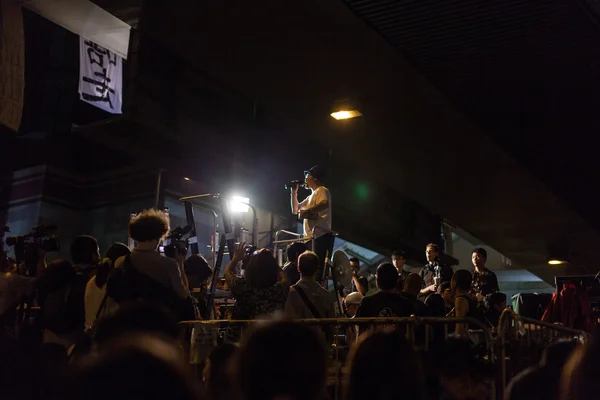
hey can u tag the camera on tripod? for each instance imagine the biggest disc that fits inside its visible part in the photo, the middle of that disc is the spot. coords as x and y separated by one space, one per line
175 244
41 237
27 247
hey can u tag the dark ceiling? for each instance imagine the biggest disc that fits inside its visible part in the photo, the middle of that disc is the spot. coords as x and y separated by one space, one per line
440 85
525 71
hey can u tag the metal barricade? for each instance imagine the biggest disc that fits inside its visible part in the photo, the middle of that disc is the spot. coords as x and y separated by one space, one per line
298 237
200 337
521 341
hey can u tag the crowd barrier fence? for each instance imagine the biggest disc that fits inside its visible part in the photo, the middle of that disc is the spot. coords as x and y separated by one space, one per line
520 342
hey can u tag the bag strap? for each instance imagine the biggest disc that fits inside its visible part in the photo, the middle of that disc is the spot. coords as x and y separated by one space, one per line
101 308
307 301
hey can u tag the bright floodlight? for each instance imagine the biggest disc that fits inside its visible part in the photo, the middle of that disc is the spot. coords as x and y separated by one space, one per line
239 204
346 114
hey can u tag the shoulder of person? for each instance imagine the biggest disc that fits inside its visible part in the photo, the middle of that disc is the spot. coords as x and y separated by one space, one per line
461 300
119 262
171 262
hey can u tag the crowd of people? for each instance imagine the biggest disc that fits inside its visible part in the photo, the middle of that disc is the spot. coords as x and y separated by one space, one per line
108 327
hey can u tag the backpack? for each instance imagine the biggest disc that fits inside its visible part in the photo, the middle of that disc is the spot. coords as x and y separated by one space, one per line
63 310
128 284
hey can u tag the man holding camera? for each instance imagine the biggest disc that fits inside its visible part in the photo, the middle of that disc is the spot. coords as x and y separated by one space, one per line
315 210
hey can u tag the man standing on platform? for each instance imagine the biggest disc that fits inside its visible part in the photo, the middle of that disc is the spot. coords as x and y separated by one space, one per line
399 260
315 210
433 267
484 281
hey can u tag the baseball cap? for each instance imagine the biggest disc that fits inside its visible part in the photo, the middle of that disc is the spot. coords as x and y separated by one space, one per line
354 298
317 172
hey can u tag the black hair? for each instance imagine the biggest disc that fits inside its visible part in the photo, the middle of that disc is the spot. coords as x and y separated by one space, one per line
84 249
116 251
463 279
262 270
197 270
496 298
304 375
137 366
443 286
412 284
308 263
481 251
149 225
436 305
399 254
388 359
387 276
219 382
294 250
354 260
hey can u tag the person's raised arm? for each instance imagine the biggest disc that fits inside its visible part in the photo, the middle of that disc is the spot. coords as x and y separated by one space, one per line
238 255
427 290
295 204
359 283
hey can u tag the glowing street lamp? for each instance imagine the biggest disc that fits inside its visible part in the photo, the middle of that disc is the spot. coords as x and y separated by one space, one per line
238 204
346 114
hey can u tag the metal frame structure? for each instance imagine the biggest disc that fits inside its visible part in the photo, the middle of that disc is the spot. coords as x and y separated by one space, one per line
525 339
227 239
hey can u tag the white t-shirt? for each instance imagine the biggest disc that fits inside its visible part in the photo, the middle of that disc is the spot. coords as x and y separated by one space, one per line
319 195
93 300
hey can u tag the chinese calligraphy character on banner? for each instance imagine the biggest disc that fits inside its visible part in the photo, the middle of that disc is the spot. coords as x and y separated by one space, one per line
101 77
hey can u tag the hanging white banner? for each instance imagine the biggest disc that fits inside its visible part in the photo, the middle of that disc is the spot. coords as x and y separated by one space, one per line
100 77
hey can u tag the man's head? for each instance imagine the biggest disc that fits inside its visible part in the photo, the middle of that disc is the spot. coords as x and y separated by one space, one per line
354 264
497 301
197 270
432 251
387 276
262 269
259 371
412 285
352 302
314 177
461 281
398 259
308 264
85 250
446 292
294 250
149 226
479 257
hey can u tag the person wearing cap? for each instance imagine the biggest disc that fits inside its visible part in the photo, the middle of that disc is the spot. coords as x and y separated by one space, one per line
315 210
352 302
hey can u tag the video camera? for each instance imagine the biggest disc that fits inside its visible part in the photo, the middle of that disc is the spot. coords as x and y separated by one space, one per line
175 243
27 247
